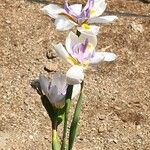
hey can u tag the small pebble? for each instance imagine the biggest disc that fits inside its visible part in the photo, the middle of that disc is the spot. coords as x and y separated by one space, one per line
8 21
31 137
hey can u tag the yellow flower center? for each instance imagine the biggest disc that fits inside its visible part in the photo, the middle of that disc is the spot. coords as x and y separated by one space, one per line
92 12
85 64
72 61
90 47
86 26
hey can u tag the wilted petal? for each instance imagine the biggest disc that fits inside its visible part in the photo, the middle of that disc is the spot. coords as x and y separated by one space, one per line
52 10
104 19
61 51
75 75
98 8
76 8
63 23
89 30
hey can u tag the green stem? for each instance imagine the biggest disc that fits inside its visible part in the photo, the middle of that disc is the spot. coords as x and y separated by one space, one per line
67 108
55 144
76 117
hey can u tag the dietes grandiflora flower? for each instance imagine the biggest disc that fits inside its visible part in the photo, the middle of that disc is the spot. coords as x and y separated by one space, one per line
76 15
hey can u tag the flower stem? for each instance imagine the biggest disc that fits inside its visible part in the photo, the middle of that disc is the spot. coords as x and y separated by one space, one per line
76 117
55 144
67 108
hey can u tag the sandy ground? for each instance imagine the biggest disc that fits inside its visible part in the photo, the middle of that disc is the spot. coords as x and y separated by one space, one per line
116 109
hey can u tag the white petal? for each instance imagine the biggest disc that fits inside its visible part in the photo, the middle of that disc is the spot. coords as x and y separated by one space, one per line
61 51
92 31
75 75
102 56
76 8
104 19
97 58
76 90
63 23
98 8
52 10
44 83
71 40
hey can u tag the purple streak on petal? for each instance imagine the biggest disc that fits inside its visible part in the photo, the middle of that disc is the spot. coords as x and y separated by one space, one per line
49 86
80 52
69 10
89 5
83 46
85 14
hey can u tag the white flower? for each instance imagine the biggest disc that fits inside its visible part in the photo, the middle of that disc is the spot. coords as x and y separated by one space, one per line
56 89
76 15
81 50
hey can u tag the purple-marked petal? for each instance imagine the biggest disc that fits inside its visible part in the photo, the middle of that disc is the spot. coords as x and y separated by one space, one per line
83 46
80 48
69 10
89 5
92 39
